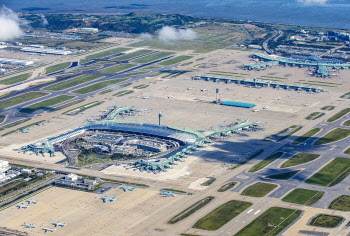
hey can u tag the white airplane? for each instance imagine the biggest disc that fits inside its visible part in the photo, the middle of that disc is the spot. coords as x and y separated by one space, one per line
22 206
29 225
266 107
31 201
59 224
255 110
170 96
145 97
48 229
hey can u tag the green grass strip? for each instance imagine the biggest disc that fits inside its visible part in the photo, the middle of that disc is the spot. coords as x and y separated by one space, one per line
342 203
116 68
333 136
14 124
222 215
283 176
66 105
271 222
266 162
332 174
107 53
339 115
72 82
227 186
152 57
123 93
174 60
98 86
303 196
306 136
24 127
300 158
20 99
259 189
15 79
58 67
190 210
46 104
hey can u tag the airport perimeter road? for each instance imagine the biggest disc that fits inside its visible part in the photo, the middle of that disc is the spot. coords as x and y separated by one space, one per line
278 33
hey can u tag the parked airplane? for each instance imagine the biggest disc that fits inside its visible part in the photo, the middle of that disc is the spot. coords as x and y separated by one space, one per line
167 194
111 199
29 225
255 110
22 206
266 107
59 224
145 97
48 229
31 201
126 188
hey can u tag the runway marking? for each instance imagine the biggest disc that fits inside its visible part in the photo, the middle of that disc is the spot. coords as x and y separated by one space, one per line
250 211
257 212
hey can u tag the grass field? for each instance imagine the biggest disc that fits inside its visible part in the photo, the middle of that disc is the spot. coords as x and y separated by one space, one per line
137 73
107 53
259 189
150 67
283 176
46 104
333 136
190 210
72 82
300 158
227 186
57 67
116 68
306 136
221 215
66 105
339 115
15 79
84 61
332 174
123 93
141 86
315 115
327 221
303 196
266 162
77 110
342 203
131 55
271 222
174 60
345 95
209 182
291 133
86 68
98 86
152 57
20 99
346 123
2 118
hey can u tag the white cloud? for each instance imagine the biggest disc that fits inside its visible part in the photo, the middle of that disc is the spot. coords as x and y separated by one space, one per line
9 24
168 33
313 1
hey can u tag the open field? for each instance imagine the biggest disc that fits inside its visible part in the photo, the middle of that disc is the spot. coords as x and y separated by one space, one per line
327 221
46 104
303 196
190 210
15 79
346 123
221 215
57 67
128 56
266 161
72 82
259 189
20 99
227 186
342 203
152 57
306 136
271 222
332 174
107 53
116 68
339 115
333 136
283 176
98 86
174 60
300 158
